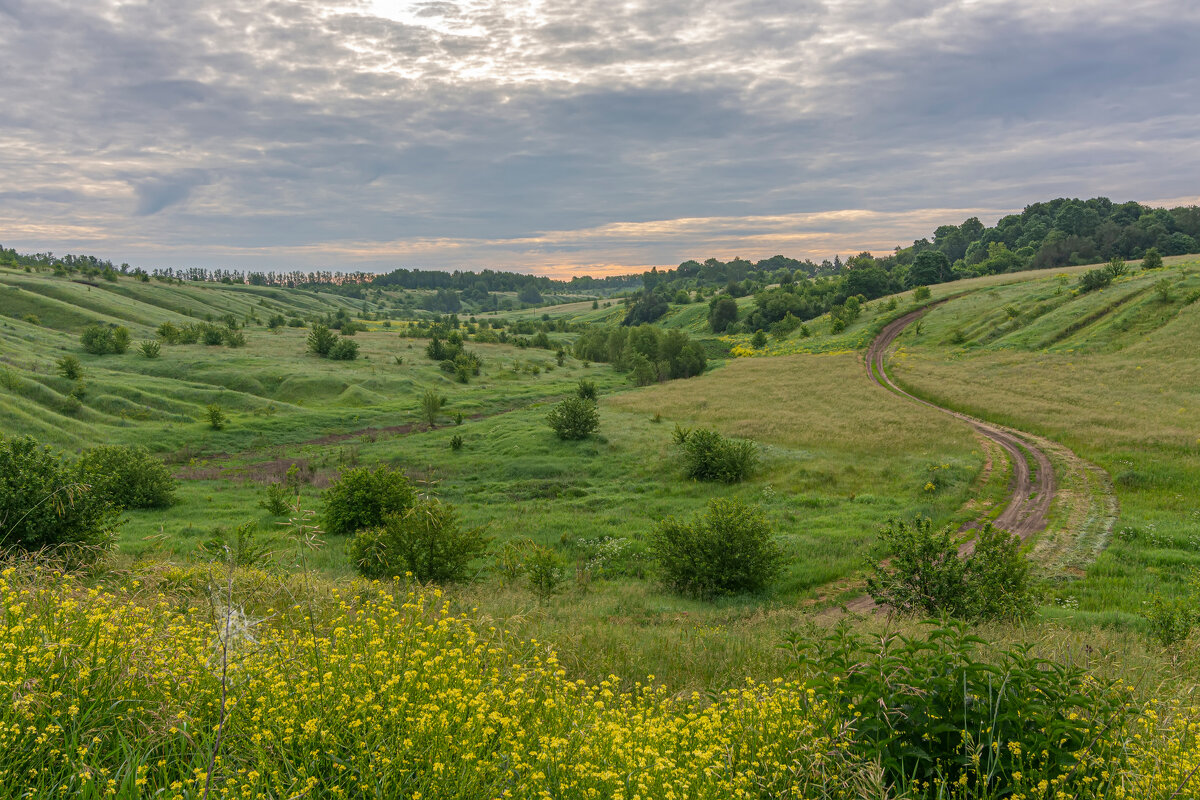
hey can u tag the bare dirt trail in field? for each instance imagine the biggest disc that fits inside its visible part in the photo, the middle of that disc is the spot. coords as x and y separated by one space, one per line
1032 490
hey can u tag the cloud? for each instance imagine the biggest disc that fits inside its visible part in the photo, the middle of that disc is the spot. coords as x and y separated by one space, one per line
559 135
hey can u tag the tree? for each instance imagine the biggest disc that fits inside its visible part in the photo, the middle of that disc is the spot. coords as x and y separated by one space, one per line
574 418
728 549
722 312
1152 259
128 477
431 406
362 498
530 295
97 339
930 266
426 539
321 340
69 367
45 502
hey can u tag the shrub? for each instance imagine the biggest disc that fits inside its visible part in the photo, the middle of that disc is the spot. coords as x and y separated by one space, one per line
728 549
1094 279
925 575
344 350
544 569
216 417
431 406
97 339
425 539
45 503
1117 267
277 499
69 367
574 418
321 340
120 339
456 442
233 337
1170 621
32 319
1152 259
362 498
586 390
129 477
709 456
939 710
922 293
211 335
150 348
759 340
1162 288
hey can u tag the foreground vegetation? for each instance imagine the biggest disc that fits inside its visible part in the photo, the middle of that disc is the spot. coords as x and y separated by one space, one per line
194 683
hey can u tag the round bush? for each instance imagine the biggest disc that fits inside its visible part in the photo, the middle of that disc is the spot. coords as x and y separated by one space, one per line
425 540
728 549
709 456
574 418
362 498
44 503
128 476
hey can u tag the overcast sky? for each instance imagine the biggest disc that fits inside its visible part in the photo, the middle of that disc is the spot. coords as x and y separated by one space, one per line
573 136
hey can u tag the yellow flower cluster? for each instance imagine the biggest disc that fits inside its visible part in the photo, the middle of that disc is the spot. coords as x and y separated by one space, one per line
121 695
125 692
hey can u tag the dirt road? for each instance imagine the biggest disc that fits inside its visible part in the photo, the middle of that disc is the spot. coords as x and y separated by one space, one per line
1032 484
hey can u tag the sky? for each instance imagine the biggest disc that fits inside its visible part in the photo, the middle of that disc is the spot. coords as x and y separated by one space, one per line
569 137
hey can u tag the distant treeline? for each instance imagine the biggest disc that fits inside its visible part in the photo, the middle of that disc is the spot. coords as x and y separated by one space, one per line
1045 235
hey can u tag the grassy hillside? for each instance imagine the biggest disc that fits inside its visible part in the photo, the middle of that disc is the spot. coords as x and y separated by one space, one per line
1111 374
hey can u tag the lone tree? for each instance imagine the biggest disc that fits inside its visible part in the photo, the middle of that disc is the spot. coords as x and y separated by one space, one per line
574 418
431 406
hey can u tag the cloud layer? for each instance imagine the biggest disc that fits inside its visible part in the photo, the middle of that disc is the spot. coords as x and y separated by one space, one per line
574 135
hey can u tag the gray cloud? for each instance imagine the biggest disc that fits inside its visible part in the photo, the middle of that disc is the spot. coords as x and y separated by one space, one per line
482 133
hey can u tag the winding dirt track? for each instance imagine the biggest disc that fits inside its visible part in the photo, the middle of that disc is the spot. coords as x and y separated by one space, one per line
1032 491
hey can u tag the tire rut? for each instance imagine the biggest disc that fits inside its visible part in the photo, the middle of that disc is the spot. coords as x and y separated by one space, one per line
1032 486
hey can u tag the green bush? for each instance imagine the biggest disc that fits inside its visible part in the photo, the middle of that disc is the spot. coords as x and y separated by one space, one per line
151 348
544 570
709 456
129 477
215 416
344 350
1094 279
937 709
321 340
211 335
425 539
924 574
97 339
922 293
44 503
167 332
728 549
69 367
586 390
120 339
1162 288
431 406
277 499
233 337
456 442
361 498
1152 259
574 418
